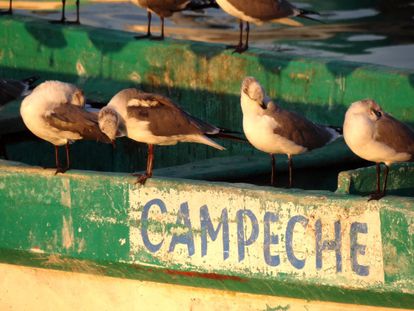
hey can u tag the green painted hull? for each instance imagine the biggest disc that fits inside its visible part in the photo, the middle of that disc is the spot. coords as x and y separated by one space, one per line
315 245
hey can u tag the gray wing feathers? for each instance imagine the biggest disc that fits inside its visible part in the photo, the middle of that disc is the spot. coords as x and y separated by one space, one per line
166 118
264 9
72 118
300 130
395 134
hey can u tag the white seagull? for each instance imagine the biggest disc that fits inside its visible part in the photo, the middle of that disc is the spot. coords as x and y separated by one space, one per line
274 130
155 120
259 12
376 136
55 112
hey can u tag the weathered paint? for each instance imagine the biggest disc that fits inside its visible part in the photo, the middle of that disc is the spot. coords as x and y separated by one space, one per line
100 230
363 180
75 291
214 231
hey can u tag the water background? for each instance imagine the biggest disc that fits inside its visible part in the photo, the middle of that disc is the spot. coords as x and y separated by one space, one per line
370 31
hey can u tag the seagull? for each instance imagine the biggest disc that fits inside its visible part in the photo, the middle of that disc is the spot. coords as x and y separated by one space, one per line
63 18
166 8
54 112
259 12
9 11
12 89
274 130
155 120
376 136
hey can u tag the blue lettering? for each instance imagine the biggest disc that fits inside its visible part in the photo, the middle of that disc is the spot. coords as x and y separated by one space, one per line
297 263
333 245
144 224
241 241
207 228
357 227
183 218
270 239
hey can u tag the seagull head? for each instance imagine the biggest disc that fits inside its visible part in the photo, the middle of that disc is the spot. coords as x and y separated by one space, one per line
108 120
253 94
368 108
78 98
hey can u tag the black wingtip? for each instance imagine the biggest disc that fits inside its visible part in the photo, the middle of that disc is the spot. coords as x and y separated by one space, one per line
337 129
31 80
201 4
304 14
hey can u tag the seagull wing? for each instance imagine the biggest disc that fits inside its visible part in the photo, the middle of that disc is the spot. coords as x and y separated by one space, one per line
300 130
395 134
71 118
264 10
166 118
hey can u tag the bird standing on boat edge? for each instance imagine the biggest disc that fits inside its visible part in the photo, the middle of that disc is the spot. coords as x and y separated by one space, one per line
274 130
155 120
259 12
376 136
54 112
166 8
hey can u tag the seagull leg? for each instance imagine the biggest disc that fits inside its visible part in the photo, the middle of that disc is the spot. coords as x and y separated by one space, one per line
240 44
77 21
241 48
272 176
161 37
290 170
62 19
380 194
148 35
9 11
384 189
142 178
60 169
67 157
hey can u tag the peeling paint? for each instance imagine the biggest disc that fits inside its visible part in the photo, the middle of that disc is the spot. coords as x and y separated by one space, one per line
65 193
253 262
37 250
80 69
67 233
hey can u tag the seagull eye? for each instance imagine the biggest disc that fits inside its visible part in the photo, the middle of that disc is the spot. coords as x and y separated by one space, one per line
377 113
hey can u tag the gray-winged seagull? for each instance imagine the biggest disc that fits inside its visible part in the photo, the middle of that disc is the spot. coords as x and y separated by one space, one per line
376 136
155 120
274 130
54 112
166 8
259 12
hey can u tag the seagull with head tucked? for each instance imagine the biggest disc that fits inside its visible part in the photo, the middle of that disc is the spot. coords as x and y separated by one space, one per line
54 112
274 130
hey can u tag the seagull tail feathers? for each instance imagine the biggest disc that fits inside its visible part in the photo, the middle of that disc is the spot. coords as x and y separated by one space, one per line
207 141
230 135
